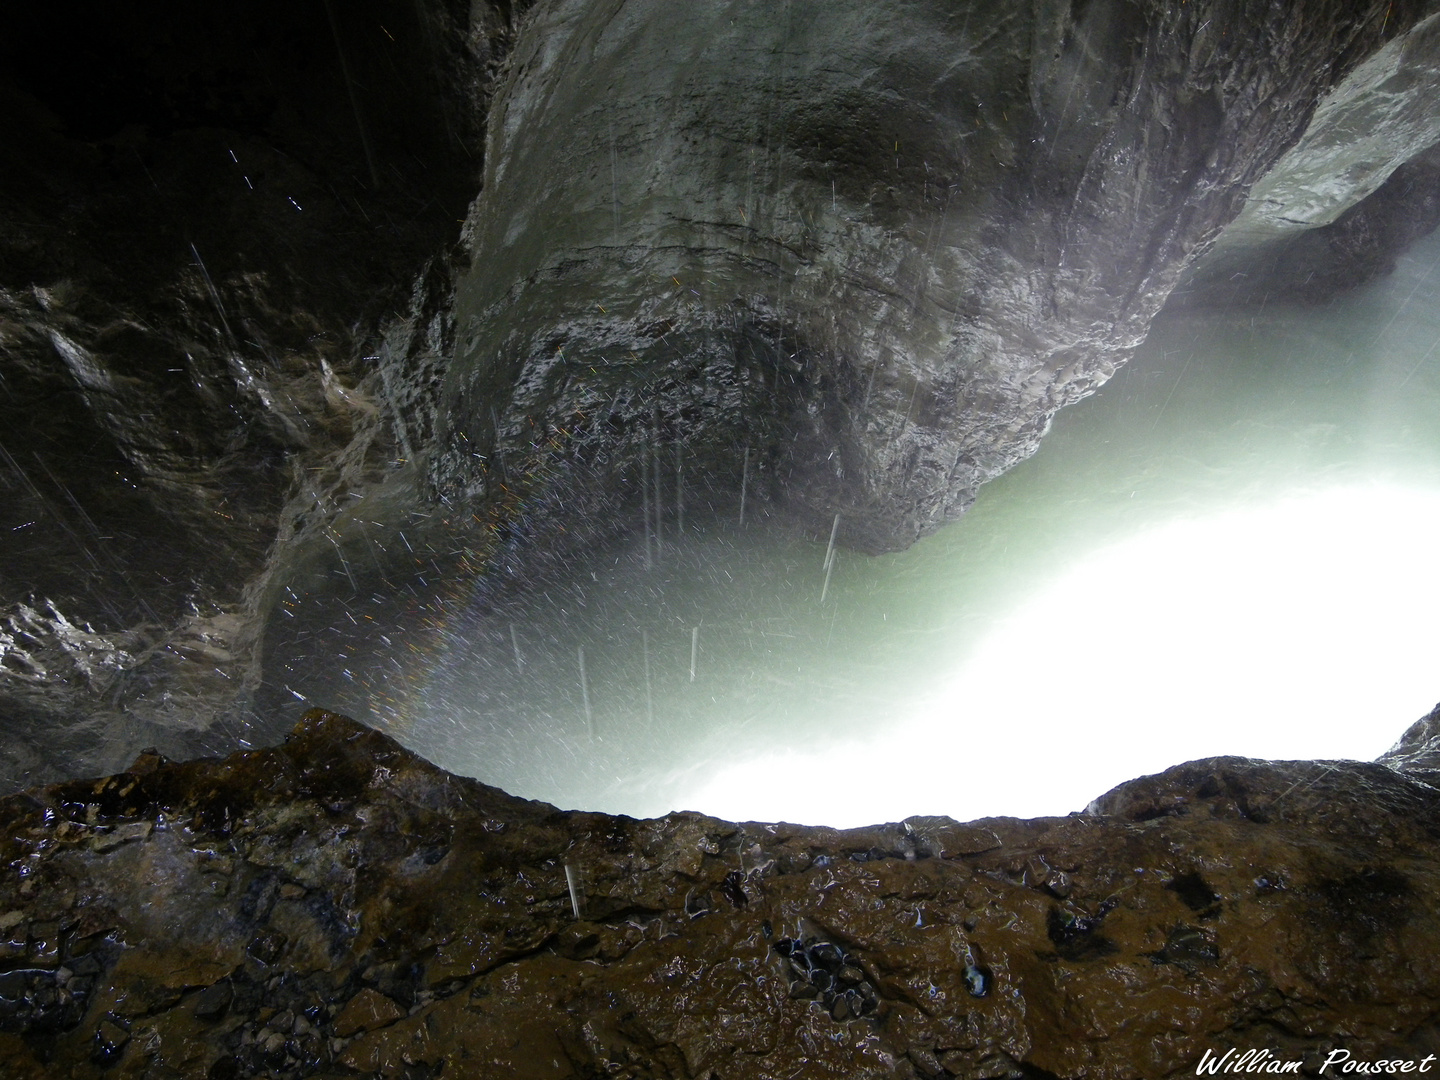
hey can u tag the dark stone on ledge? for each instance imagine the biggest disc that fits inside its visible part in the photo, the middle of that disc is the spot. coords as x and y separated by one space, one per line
337 906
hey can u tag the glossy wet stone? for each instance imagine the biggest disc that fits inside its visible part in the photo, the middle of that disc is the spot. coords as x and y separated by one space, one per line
377 916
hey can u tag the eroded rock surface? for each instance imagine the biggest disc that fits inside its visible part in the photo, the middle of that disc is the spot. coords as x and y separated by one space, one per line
865 255
337 906
1358 186
853 257
205 214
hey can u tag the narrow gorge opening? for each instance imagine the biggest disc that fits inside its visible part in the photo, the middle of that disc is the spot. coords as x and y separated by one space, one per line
1227 550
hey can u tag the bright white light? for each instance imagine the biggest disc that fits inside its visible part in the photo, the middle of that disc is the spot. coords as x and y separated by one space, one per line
1305 628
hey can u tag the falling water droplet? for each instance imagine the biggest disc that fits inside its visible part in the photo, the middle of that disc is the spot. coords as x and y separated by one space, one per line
572 882
830 554
744 483
585 694
645 503
649 697
679 489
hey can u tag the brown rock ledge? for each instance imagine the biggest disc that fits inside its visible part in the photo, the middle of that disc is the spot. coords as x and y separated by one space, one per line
338 906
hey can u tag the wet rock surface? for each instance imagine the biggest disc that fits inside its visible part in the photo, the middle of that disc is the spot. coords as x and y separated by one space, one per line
845 267
205 215
336 906
877 249
1359 186
852 262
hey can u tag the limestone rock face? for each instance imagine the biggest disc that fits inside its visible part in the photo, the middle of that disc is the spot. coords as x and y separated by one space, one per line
877 247
336 906
1418 751
204 215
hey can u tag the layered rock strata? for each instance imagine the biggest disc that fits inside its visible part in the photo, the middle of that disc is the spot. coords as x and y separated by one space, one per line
336 906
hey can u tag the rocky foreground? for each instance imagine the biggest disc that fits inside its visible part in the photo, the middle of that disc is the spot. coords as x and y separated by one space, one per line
337 906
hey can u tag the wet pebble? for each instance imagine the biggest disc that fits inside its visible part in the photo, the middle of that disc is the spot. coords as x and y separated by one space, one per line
109 1042
925 1060
273 1049
822 971
977 980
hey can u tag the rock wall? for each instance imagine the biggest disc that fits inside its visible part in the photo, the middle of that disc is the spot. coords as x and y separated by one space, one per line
877 248
868 249
205 215
336 906
1357 188
854 259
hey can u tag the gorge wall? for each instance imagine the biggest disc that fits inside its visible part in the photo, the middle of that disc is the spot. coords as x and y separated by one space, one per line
879 246
204 217
852 260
